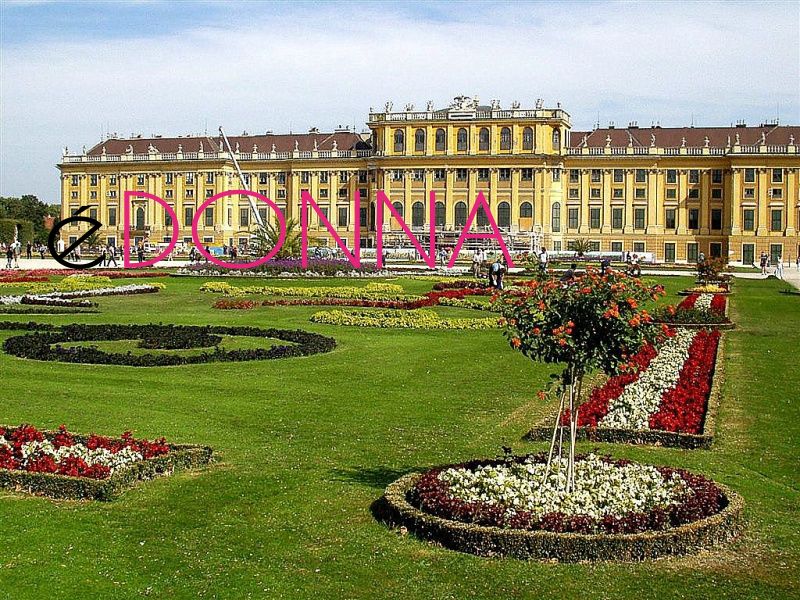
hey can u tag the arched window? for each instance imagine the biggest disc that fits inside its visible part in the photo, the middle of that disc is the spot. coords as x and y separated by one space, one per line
504 215
483 139
482 219
555 219
398 206
140 218
441 140
461 214
463 140
440 214
418 214
527 139
399 140
419 140
505 139
526 210
556 139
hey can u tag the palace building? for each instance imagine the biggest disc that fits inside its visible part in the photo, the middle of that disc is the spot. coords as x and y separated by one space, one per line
673 192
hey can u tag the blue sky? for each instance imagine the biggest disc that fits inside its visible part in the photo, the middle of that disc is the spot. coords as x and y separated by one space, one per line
71 70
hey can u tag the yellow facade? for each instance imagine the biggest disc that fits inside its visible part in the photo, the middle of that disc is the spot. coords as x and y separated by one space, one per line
672 192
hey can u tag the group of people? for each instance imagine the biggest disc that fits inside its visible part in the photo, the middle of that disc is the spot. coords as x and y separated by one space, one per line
13 252
765 262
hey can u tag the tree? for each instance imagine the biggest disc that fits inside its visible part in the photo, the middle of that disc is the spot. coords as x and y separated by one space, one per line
590 322
268 235
28 208
580 246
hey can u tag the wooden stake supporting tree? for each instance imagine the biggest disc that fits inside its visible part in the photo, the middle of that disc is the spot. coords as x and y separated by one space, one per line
587 323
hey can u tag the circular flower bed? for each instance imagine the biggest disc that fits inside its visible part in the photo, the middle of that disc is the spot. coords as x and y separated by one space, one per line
45 344
619 510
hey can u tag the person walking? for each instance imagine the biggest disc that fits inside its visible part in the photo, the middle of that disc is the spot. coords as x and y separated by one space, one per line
779 268
476 264
605 265
9 256
112 255
140 252
17 248
496 272
763 262
29 250
543 260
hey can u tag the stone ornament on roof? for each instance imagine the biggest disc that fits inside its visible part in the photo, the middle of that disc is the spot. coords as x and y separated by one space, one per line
255 148
464 103
388 106
409 107
737 139
180 147
585 140
495 104
201 146
273 148
103 151
515 105
652 140
129 149
237 147
763 138
151 149
608 139
429 108
66 151
296 146
683 142
335 145
791 140
316 147
706 142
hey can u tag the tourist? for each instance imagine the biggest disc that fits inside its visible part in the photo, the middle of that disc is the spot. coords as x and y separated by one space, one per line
605 265
17 250
9 256
111 255
496 273
140 252
763 261
636 268
29 250
41 250
701 258
797 262
569 274
476 264
543 260
779 268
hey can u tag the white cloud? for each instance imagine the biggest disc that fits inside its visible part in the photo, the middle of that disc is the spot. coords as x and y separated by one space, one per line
663 61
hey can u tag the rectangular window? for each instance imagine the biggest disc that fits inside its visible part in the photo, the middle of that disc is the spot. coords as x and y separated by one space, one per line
305 177
691 252
556 219
418 175
93 213
574 176
749 193
262 179
483 174
505 174
343 192
594 218
74 195
168 178
281 178
594 193
694 176
362 177
344 176
112 193
672 176
748 254
669 252
749 175
776 192
574 193
342 216
167 219
323 177
556 175
694 193
597 176
438 174
694 218
749 219
527 174
618 193
169 193
638 247
641 175
557 245
572 215
617 218
112 180
92 179
140 180
209 193
640 193
190 178
188 215
775 252
210 178
244 217
281 194
323 192
639 215
716 176
619 176
461 174
397 175
93 195
616 246
715 249
190 193
777 175
716 219
75 180
776 220
669 218
112 215
594 246
716 194
209 216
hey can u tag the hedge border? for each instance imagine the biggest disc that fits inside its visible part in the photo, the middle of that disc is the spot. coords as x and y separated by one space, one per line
489 541
655 437
182 457
690 292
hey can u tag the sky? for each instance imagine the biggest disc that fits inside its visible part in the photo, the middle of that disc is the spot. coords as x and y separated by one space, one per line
72 71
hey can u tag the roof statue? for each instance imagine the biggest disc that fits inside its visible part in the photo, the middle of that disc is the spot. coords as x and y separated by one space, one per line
429 108
103 151
237 147
201 146
180 147
409 107
683 142
464 103
129 149
585 140
652 140
296 146
255 148
388 106
737 139
273 147
608 139
791 140
335 145
706 142
152 149
316 147
763 138
515 105
495 104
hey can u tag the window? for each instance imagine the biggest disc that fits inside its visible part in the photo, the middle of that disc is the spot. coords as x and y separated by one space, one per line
694 176
342 216
526 174
504 174
715 249
281 194
244 217
209 216
505 138
618 193
482 219
399 140
619 176
557 246
748 254
323 177
362 216
74 195
749 175
555 218
776 220
639 246
398 207
716 218
594 218
672 194
92 179
188 215
483 174
262 212
616 246
281 178
93 194
209 177
556 175
75 180
419 140
694 218
140 180
749 219
190 178
112 215
168 178
439 214
672 176
397 175
230 216
441 140
716 176
574 176
438 174
574 193
572 217
323 193
112 193
112 180
639 215
694 193
749 193
594 192
461 174
305 177
526 210
776 192
594 246
596 176
418 174
669 252
344 176
640 193
556 139
527 139
343 192
139 220
209 193
669 218
641 176
190 193
617 218
262 178
169 193
691 252
775 252
417 214
462 140
483 139
460 214
504 215
777 175
716 194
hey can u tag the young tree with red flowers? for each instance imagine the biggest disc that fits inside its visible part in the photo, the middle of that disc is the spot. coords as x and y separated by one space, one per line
586 323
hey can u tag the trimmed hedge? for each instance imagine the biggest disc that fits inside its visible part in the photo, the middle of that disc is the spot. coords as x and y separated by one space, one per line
8 227
45 344
689 441
21 309
396 510
181 457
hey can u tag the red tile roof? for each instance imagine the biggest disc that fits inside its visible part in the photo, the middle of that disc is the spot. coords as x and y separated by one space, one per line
672 137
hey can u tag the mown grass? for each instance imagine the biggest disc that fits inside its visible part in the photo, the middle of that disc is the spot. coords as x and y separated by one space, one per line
306 445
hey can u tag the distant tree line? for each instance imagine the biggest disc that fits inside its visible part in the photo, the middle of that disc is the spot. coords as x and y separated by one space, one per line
23 211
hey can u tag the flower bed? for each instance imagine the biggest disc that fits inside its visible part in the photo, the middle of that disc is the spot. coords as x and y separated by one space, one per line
697 310
459 284
63 465
43 274
670 399
619 510
371 291
286 268
46 343
407 319
224 304
710 288
45 299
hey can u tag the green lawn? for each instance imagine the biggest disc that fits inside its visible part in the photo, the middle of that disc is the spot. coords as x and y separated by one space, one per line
304 446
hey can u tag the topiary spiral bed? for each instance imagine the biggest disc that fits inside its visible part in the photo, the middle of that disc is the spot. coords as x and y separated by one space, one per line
619 510
46 343
59 464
